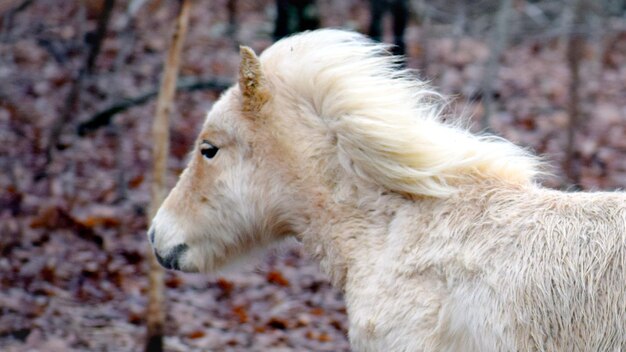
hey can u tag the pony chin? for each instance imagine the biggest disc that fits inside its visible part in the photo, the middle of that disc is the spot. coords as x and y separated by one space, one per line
253 258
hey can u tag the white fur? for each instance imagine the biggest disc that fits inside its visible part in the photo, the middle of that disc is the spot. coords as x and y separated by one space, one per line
440 240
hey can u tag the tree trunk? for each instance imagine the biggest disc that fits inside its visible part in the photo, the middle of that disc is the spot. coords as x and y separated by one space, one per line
423 18
574 54
498 42
460 20
160 136
231 6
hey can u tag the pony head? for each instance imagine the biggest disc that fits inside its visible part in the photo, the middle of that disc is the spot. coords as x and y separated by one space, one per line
231 198
321 118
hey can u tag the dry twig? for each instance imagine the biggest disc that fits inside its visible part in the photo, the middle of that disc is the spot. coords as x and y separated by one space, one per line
104 116
160 136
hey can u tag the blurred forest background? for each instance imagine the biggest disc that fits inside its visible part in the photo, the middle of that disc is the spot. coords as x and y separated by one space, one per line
78 82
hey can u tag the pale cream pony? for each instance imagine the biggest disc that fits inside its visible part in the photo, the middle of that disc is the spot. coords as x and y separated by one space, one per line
441 240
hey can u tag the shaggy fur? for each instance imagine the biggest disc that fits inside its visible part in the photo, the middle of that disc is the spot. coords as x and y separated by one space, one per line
440 240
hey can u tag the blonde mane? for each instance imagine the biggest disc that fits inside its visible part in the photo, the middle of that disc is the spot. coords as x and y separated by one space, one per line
388 124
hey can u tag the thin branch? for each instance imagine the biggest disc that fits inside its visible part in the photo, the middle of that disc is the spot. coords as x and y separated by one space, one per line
72 102
574 54
99 34
104 116
155 316
5 6
7 14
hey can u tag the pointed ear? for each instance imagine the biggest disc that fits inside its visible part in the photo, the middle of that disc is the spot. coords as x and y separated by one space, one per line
251 81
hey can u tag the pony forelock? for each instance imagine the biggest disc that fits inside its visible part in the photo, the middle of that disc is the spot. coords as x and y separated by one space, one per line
388 124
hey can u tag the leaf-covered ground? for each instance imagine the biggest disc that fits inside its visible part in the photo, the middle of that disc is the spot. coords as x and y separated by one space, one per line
72 208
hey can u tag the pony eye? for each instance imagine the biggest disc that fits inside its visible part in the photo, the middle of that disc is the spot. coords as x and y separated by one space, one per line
208 150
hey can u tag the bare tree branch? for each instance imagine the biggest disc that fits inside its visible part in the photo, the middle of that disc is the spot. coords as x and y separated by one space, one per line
6 6
575 48
72 102
104 116
155 316
99 34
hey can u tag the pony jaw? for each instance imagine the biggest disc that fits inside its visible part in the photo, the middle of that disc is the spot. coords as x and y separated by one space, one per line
207 251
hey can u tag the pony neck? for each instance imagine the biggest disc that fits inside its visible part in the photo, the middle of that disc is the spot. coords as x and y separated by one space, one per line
337 230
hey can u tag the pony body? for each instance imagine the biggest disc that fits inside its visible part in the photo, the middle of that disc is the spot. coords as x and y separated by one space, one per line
440 240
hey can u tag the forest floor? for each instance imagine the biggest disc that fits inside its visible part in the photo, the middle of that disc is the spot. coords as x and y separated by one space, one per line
72 207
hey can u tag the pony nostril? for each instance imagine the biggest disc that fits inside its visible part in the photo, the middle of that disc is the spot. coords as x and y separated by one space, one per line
151 235
171 261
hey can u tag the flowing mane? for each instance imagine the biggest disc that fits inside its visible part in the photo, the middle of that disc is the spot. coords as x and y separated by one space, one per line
388 123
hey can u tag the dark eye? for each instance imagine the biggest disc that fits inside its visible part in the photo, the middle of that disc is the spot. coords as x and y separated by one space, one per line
208 150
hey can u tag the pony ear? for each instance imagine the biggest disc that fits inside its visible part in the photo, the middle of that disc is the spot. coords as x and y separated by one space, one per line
251 81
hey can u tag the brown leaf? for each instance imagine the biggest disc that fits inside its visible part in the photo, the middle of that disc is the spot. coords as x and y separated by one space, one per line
54 217
337 325
95 220
324 337
277 323
48 273
196 334
241 313
48 217
226 286
173 281
136 317
135 181
275 277
317 311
